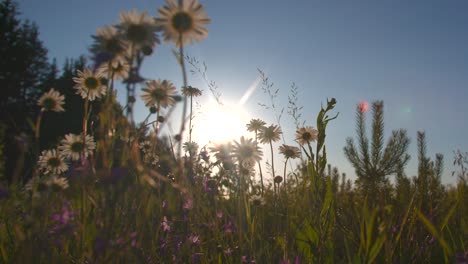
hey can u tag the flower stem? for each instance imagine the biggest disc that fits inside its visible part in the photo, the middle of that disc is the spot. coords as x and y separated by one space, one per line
38 125
85 117
184 110
190 120
272 161
284 172
37 131
259 166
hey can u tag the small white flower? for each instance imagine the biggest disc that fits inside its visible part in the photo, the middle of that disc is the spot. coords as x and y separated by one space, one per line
151 158
73 147
58 182
51 161
89 85
183 23
109 41
145 146
52 101
247 152
138 30
118 68
305 135
158 93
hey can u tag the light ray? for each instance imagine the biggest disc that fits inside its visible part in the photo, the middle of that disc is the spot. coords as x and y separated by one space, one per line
249 91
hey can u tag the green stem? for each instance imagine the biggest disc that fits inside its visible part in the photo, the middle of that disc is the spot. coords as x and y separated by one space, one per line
37 133
38 125
284 172
272 161
184 110
259 166
190 120
85 117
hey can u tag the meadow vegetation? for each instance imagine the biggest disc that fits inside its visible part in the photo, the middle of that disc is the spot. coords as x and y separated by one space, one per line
109 189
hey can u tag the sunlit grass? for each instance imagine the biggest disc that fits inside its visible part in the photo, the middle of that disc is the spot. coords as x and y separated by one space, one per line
135 193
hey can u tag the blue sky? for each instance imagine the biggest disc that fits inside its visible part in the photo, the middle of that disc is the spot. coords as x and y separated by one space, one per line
411 54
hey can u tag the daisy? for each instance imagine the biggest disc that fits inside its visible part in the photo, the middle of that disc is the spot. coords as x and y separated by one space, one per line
159 93
51 101
182 23
89 85
138 29
151 158
191 91
305 135
278 179
32 184
269 134
255 125
289 152
118 68
145 146
72 146
247 152
52 162
191 148
257 200
108 41
36 186
222 152
59 183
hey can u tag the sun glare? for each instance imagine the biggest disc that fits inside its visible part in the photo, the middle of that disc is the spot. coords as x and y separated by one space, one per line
220 123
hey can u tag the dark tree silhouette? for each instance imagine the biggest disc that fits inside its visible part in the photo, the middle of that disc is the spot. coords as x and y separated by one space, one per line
429 189
56 125
23 63
23 67
374 164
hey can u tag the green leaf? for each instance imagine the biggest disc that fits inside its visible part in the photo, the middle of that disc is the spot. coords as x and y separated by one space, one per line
374 252
448 216
432 229
305 238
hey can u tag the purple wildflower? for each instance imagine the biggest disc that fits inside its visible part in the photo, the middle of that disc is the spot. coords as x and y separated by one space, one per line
204 155
245 259
166 225
228 251
196 257
229 227
194 239
219 214
133 240
120 241
100 246
3 192
63 220
188 204
461 258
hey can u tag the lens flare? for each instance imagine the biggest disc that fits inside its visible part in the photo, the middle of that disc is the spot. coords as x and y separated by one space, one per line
363 106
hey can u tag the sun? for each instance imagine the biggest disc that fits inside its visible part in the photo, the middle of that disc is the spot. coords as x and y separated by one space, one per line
220 123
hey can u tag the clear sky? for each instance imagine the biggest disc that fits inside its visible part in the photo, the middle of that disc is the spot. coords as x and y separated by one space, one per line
411 54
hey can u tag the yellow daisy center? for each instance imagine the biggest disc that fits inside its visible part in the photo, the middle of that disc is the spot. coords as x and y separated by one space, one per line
53 162
77 147
306 136
91 83
158 95
49 103
182 22
113 46
246 152
137 33
289 152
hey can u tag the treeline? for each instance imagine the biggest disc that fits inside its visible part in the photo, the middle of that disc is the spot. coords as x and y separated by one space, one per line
26 73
